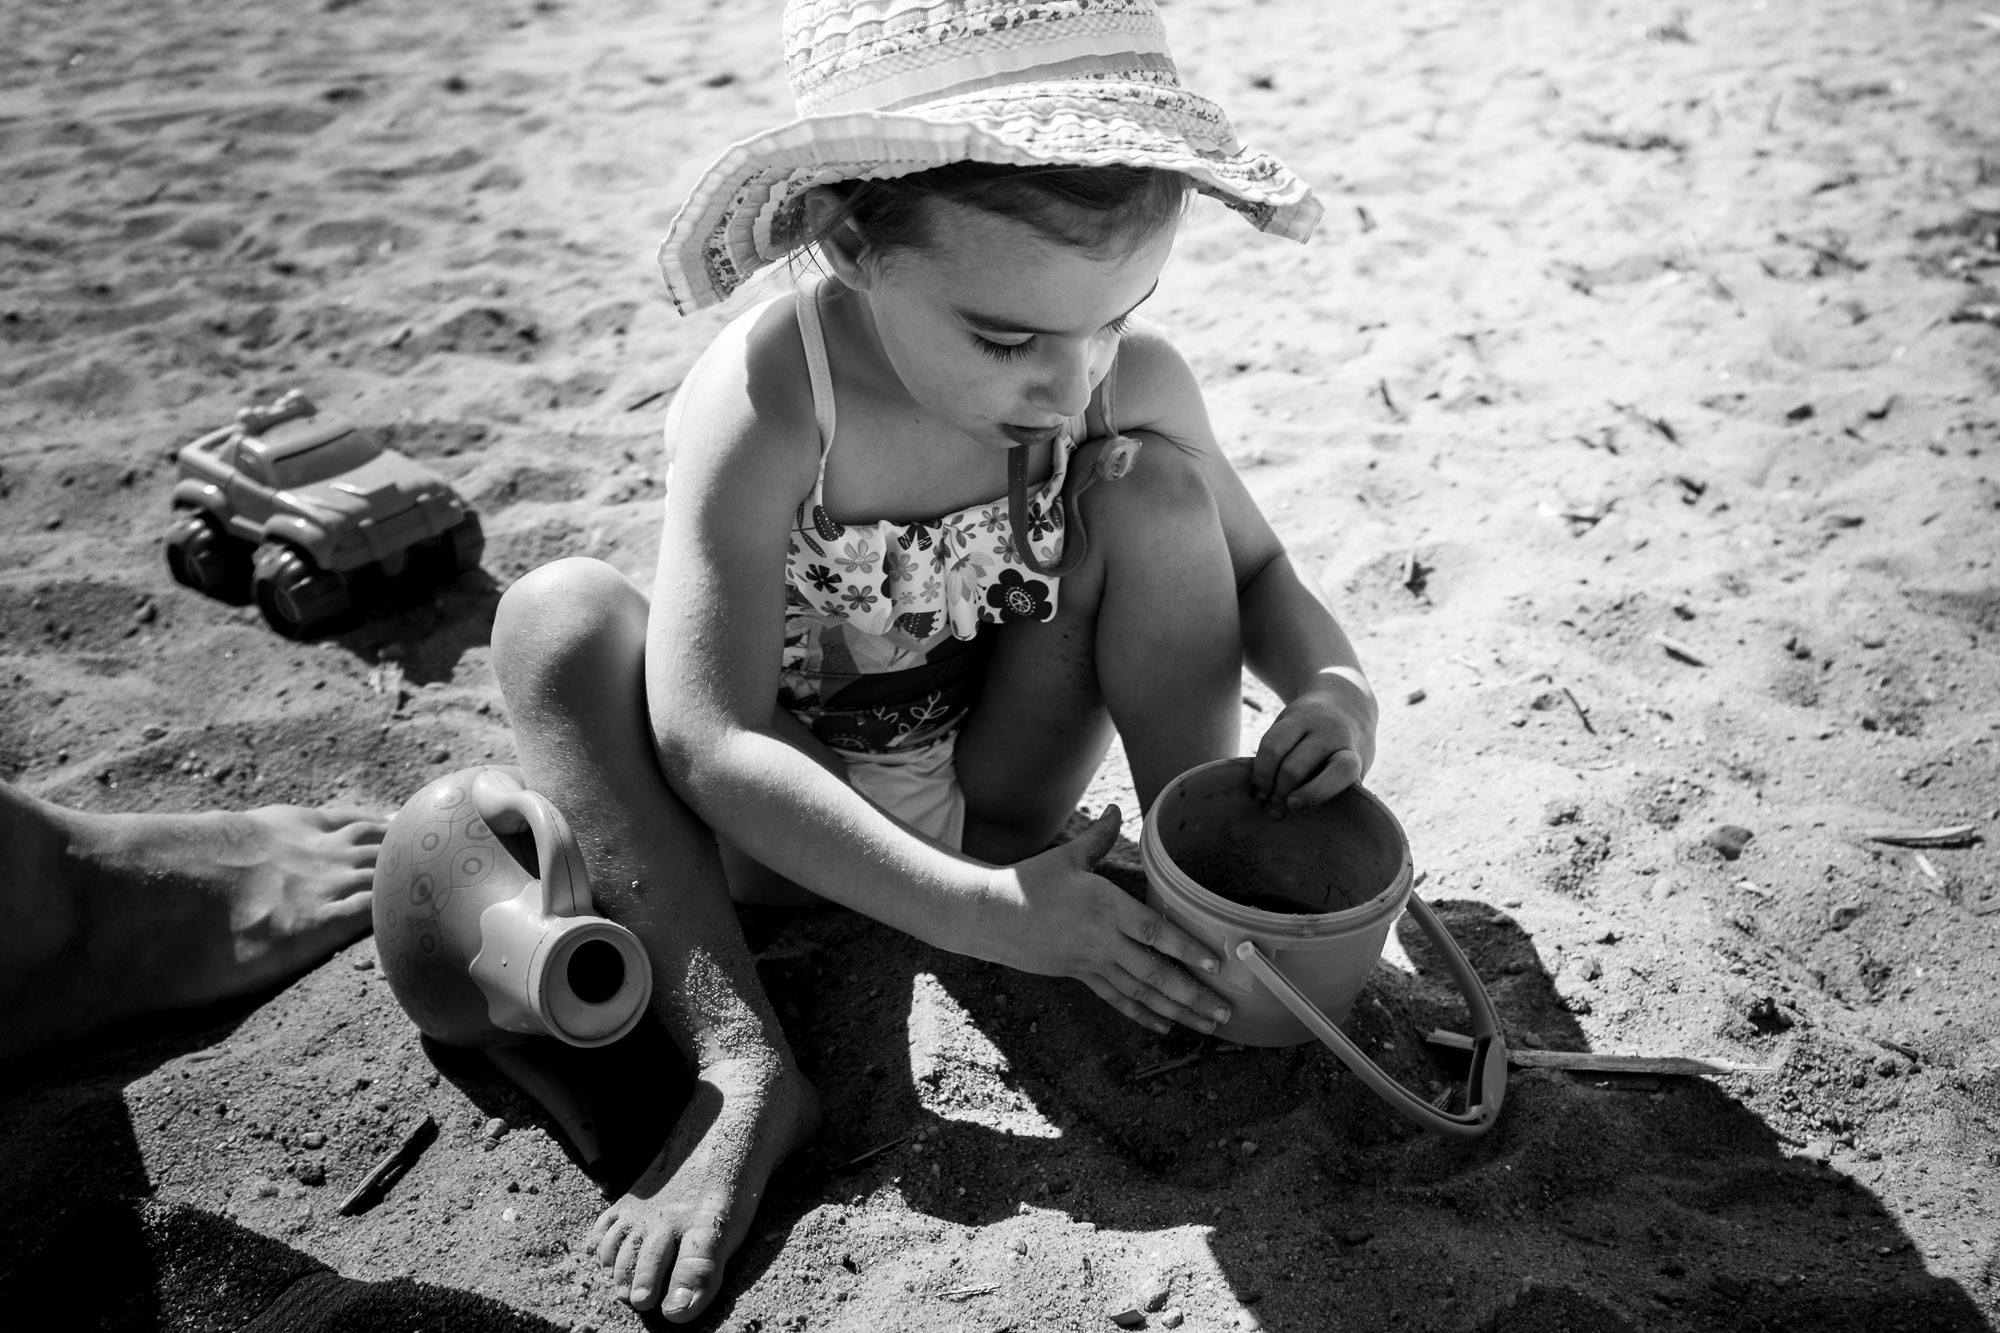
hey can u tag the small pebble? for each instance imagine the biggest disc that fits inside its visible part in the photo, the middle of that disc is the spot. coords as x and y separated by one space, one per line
1415 697
1126 1317
1246 1319
267 1189
1729 839
1249 1148
1150 1292
508 1214
1356 1236
312 1173
313 1139
364 965
1171 1317
493 1128
440 755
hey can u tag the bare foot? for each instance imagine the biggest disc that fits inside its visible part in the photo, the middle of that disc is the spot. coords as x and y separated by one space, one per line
104 917
668 1239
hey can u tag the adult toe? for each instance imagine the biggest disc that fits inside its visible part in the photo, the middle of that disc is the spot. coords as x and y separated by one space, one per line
697 1267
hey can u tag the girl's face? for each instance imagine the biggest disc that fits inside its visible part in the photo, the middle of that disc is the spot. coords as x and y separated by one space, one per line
1001 330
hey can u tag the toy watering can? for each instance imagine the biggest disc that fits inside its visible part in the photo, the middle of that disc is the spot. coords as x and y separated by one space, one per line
485 927
1298 910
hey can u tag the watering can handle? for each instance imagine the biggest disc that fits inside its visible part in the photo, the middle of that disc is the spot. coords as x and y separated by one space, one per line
1485 1086
508 807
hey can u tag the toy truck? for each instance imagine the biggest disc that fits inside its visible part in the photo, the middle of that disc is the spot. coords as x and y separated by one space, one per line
292 510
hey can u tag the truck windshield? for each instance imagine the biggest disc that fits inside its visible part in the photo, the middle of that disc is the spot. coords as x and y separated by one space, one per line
342 453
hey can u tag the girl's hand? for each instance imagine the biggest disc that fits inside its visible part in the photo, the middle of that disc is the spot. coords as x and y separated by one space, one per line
1322 743
1056 918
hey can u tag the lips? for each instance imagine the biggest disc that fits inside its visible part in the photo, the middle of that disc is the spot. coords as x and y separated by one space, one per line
1031 435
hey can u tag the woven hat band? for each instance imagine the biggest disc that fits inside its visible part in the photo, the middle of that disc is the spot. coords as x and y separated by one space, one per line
890 66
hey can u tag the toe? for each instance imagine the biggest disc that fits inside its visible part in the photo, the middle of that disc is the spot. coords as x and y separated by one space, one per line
628 1259
607 1235
651 1268
696 1269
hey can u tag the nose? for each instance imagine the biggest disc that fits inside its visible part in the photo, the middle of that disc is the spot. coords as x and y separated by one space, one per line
1067 379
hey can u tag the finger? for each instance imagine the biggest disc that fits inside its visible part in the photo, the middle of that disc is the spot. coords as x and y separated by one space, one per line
1096 841
650 1267
696 1270
1342 771
1127 1006
1276 743
1154 981
1303 762
1156 932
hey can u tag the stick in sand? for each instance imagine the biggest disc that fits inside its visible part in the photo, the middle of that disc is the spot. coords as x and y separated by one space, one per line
391 1168
1604 1062
1957 835
1675 648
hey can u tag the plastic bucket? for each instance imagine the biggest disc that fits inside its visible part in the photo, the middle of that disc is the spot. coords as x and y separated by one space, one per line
1298 909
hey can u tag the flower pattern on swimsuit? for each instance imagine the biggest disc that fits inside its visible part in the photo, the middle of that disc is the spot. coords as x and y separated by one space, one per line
864 601
868 574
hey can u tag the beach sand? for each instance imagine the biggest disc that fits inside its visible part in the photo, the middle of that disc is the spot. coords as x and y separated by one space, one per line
1635 405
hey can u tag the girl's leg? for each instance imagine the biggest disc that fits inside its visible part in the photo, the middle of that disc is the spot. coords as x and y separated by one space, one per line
1145 638
568 645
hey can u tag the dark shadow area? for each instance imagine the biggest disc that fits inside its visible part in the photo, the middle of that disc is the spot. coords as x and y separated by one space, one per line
632 1091
434 625
83 1246
1329 1210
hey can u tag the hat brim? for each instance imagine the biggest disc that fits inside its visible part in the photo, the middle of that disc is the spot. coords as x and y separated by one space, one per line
746 210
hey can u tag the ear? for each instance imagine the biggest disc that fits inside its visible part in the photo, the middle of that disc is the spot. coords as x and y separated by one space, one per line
843 247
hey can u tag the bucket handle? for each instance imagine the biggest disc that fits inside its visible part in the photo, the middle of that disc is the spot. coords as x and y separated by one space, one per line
1485 1086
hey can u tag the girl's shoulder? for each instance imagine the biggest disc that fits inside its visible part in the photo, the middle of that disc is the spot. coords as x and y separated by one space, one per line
752 383
1155 389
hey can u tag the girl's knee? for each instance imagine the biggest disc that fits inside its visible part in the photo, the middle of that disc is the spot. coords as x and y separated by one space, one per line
569 613
1165 486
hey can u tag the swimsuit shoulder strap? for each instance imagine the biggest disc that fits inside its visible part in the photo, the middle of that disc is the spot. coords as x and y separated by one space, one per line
814 336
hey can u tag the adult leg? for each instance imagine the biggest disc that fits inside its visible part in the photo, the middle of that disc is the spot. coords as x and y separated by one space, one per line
105 917
568 645
1145 638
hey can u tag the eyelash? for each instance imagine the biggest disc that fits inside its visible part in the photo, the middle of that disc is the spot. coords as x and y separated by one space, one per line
1015 351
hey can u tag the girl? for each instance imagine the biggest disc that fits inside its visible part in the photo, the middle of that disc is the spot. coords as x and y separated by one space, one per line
939 522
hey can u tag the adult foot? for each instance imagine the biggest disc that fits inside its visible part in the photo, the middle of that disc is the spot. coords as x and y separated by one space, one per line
104 917
667 1240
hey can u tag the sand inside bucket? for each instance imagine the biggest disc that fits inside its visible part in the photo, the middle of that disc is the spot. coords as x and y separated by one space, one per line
1278 874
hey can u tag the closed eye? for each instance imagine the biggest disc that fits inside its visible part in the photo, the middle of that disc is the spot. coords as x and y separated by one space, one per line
1015 351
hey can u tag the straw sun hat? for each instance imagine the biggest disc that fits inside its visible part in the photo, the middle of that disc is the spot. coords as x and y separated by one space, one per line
891 87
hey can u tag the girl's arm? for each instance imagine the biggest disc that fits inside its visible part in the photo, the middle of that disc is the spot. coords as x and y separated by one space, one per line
1324 739
746 450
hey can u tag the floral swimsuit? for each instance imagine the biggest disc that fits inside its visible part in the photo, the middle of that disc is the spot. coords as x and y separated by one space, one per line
880 617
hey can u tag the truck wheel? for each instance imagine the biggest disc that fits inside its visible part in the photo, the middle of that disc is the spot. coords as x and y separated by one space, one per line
200 555
294 594
460 547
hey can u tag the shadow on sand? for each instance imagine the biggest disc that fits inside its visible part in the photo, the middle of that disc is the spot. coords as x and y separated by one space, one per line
83 1243
1596 1203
